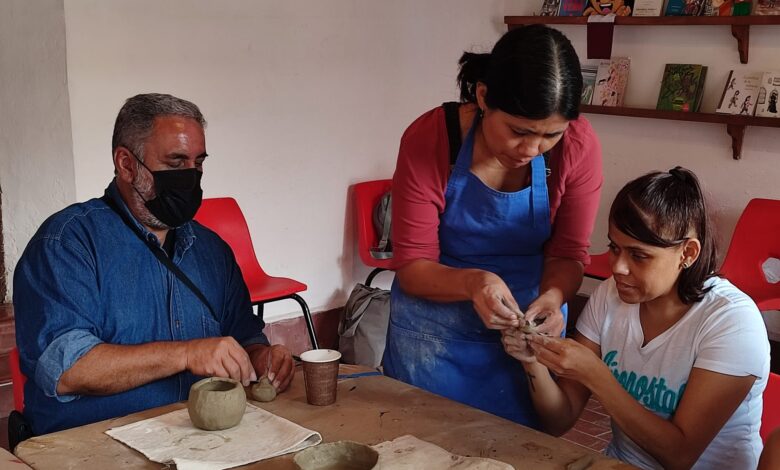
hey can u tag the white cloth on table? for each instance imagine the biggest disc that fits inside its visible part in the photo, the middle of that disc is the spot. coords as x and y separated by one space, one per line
409 453
171 438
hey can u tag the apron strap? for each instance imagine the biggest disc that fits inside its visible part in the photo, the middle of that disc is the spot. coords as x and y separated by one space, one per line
540 199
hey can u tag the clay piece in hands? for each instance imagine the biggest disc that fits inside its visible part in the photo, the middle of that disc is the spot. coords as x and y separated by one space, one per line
263 391
216 403
532 327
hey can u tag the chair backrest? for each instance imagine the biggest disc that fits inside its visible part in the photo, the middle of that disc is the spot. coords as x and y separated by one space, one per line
756 238
367 195
223 216
17 379
770 417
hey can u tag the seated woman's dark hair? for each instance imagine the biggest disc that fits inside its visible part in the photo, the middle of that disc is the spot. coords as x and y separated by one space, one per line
664 209
533 72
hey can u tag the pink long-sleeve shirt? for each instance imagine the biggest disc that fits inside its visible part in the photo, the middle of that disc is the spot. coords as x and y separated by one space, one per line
423 168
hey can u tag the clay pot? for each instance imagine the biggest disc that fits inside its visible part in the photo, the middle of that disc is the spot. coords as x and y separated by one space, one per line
263 391
216 403
344 455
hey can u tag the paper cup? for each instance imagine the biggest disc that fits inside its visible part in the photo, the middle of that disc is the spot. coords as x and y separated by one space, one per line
320 374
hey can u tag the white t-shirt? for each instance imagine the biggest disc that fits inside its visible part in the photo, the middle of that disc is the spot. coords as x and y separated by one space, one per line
723 333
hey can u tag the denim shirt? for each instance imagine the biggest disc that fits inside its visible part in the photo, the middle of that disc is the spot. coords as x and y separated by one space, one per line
85 279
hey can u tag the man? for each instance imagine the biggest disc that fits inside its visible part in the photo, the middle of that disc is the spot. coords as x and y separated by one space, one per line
104 326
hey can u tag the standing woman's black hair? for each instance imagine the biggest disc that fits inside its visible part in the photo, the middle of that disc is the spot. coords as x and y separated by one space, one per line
664 209
533 72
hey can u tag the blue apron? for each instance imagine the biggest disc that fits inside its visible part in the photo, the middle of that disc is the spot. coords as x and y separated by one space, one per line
444 347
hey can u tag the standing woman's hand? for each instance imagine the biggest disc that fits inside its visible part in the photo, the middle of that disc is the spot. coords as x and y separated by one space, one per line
547 316
493 301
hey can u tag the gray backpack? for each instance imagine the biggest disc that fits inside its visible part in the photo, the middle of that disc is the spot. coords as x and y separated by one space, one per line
363 331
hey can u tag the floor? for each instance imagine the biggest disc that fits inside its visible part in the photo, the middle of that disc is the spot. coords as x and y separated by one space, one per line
4 433
592 430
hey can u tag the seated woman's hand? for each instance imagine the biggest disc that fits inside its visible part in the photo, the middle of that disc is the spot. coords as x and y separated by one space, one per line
567 358
516 345
493 301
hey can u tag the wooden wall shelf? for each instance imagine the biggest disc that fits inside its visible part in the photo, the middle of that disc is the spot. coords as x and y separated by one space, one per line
735 124
740 25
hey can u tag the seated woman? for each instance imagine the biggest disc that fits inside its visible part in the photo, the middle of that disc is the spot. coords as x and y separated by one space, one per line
677 356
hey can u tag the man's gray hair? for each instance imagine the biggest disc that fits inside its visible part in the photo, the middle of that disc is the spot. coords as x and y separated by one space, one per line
135 120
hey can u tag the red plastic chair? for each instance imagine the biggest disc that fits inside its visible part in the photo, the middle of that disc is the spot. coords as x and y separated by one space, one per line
223 216
770 416
17 379
756 238
599 267
367 195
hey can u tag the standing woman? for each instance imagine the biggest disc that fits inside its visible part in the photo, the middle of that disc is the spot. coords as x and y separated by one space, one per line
488 231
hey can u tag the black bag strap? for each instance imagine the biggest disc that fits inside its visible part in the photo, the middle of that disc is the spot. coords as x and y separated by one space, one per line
158 253
452 120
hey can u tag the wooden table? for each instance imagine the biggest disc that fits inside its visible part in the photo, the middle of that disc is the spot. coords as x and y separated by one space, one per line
369 409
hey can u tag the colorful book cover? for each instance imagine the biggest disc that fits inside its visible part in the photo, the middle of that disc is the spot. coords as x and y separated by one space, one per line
571 7
648 7
684 7
611 80
589 72
680 87
717 7
768 95
766 7
740 94
602 7
550 8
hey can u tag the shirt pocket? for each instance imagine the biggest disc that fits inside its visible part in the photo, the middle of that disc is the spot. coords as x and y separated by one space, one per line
211 328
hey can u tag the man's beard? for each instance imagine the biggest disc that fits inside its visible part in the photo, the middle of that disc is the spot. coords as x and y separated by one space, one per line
145 186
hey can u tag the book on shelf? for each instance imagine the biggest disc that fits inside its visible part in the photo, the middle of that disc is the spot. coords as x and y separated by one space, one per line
684 7
647 7
768 94
717 7
682 87
550 7
589 71
741 7
600 7
611 81
571 7
740 94
766 7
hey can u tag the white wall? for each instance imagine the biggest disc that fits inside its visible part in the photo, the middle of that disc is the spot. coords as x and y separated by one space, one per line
634 146
303 99
36 159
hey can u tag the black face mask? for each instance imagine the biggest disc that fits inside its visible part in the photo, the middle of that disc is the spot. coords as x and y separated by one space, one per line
178 195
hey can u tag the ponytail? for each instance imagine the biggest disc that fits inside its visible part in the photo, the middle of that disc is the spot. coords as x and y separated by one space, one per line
473 68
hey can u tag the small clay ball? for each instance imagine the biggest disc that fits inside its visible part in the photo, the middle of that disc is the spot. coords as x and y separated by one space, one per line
263 391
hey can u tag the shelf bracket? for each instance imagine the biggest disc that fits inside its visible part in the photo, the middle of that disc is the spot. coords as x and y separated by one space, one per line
742 33
737 133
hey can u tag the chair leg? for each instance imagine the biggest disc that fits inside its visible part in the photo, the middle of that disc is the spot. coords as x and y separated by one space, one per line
372 275
307 317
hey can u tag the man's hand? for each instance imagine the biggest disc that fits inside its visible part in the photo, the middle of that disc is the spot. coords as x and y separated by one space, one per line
493 301
275 361
218 357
